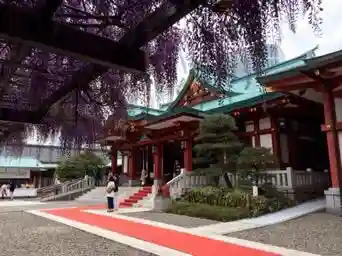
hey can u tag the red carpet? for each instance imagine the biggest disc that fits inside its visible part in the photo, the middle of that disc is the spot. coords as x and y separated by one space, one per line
191 244
136 197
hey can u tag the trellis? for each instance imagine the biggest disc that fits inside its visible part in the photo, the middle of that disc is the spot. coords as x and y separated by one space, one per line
50 48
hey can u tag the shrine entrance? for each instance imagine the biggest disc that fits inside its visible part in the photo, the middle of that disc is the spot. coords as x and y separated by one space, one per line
160 147
173 154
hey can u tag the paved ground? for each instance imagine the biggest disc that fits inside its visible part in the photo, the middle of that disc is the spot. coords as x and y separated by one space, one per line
172 219
21 205
23 234
61 232
319 233
155 237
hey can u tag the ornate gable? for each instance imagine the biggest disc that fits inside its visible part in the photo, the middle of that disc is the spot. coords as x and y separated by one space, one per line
197 93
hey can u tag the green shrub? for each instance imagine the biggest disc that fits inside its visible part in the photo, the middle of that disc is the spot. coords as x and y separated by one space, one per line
258 206
218 213
217 196
262 205
221 199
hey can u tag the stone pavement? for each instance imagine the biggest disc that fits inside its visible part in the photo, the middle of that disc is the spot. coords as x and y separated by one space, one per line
319 233
24 234
264 220
141 232
155 237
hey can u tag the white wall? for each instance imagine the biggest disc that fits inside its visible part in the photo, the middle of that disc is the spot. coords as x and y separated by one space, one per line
48 154
338 105
265 123
266 141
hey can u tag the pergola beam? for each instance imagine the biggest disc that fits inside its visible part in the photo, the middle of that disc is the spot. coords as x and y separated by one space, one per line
152 26
21 25
47 8
156 23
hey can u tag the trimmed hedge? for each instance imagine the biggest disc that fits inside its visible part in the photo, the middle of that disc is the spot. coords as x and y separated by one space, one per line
206 211
208 201
218 196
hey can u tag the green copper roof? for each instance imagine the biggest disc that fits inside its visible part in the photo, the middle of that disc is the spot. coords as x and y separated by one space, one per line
165 105
20 162
308 64
249 87
241 92
178 111
192 78
134 110
246 102
324 59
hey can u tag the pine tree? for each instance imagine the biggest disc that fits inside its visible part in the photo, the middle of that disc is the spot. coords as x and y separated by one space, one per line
253 162
217 147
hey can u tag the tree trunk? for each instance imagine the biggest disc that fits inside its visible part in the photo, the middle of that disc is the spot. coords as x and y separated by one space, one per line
227 180
225 175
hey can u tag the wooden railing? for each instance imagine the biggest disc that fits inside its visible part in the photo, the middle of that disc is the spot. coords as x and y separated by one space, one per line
69 187
283 180
185 181
290 179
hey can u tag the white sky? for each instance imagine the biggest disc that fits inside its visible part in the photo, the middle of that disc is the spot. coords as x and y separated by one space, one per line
304 39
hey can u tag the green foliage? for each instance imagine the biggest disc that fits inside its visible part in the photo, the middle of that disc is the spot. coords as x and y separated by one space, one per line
206 211
86 163
217 146
227 201
261 205
253 162
217 196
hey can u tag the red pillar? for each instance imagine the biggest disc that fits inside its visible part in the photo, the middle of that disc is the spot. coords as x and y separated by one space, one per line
114 160
275 139
256 133
158 161
132 165
332 137
188 155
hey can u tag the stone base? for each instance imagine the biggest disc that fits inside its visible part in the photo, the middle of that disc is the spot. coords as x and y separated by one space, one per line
160 203
333 201
156 184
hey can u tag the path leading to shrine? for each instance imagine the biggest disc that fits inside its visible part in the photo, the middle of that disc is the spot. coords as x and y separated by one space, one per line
159 239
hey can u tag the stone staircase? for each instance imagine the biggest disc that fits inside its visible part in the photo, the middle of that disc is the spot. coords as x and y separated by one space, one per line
68 190
128 196
138 199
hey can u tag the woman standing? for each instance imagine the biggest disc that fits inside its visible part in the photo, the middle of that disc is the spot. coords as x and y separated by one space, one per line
110 193
3 191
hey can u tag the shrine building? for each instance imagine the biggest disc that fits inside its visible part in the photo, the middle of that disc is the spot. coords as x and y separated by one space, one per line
319 79
285 121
